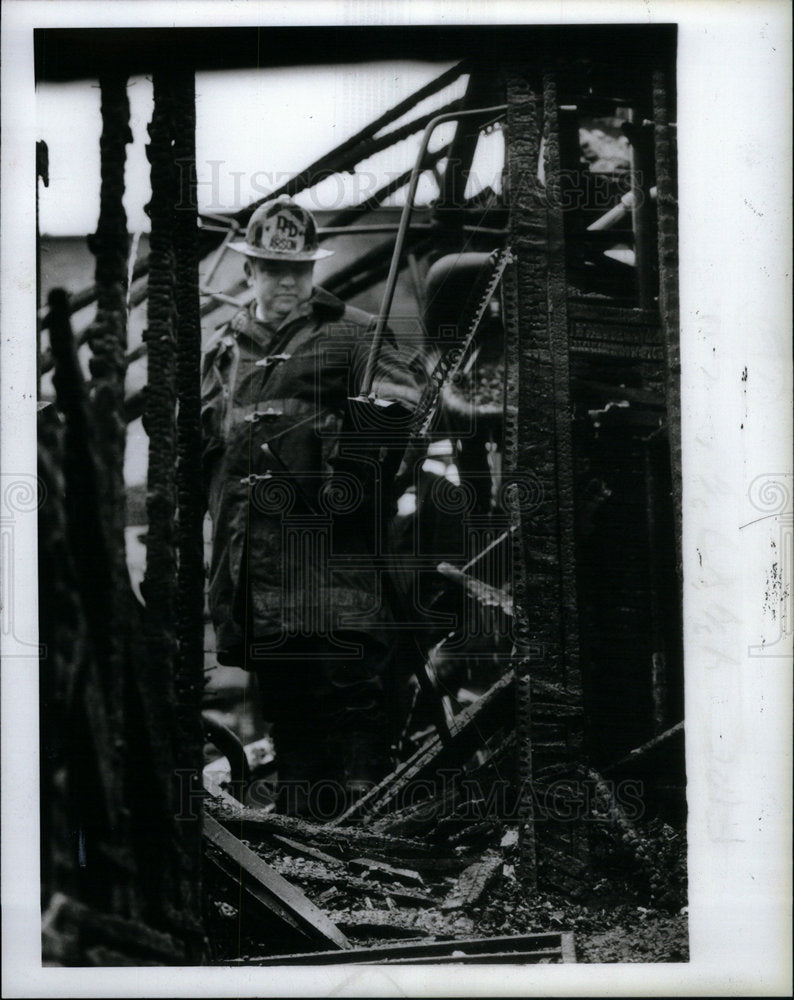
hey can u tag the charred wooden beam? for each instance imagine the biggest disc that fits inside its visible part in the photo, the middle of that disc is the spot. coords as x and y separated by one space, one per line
349 215
372 146
189 602
538 416
307 851
568 664
169 681
520 948
354 885
340 157
523 150
133 856
474 882
96 799
419 819
159 585
665 148
385 872
380 923
483 593
94 488
467 733
107 336
346 841
640 754
271 891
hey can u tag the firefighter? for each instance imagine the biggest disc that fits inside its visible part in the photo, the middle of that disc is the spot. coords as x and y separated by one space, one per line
295 593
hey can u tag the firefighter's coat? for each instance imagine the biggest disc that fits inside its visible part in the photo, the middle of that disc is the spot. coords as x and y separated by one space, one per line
294 527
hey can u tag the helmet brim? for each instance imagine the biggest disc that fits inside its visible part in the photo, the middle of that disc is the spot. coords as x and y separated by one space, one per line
249 251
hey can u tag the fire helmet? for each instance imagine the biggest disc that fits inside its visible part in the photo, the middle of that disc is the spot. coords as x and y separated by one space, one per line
281 230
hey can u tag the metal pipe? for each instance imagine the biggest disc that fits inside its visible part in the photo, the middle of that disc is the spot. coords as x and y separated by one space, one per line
617 213
405 218
227 742
347 215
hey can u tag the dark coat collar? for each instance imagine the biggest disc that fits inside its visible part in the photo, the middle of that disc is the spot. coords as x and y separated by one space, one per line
325 306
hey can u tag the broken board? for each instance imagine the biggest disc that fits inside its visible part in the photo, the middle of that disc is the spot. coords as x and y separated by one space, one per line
270 889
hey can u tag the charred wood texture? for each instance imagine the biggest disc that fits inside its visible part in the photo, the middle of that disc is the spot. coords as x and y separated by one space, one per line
118 755
159 586
269 895
667 208
189 670
107 337
519 949
523 146
539 394
538 443
346 841
80 672
172 673
89 680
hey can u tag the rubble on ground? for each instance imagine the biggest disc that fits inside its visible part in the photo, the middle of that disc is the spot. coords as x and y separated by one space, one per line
417 861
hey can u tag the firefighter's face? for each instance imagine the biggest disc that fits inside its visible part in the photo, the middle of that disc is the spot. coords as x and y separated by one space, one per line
279 285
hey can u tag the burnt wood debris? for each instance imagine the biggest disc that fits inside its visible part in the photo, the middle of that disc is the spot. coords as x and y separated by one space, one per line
538 749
